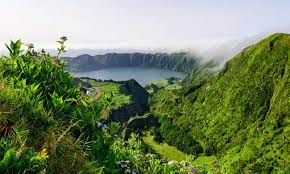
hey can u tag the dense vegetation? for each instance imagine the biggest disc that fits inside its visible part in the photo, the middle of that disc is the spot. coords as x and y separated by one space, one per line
47 125
183 62
241 115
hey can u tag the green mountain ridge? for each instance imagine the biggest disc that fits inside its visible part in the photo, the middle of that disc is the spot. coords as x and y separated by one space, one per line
241 115
182 62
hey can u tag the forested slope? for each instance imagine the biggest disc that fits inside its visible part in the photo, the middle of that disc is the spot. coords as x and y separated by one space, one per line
242 115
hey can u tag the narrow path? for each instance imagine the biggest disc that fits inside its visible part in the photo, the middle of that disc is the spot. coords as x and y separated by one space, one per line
97 93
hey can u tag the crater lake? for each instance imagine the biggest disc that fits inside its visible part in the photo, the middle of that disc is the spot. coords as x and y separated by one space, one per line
142 75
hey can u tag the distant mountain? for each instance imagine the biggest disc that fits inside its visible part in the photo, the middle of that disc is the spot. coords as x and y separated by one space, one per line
241 115
183 62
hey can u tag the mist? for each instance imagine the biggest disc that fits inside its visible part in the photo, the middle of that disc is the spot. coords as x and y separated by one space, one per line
217 50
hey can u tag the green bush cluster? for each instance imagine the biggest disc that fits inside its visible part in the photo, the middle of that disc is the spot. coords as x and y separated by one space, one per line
45 120
179 137
52 84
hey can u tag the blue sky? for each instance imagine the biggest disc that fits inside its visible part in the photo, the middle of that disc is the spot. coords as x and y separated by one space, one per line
137 23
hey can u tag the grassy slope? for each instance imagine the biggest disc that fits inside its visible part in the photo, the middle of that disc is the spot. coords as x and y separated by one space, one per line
164 149
242 115
164 84
103 88
172 153
111 87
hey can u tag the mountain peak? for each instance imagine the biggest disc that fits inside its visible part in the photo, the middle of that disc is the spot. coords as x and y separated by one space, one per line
278 40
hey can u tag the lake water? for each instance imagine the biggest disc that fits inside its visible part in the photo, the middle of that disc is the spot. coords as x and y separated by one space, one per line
142 75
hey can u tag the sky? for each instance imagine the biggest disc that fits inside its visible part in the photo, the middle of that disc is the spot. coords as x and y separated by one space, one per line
139 23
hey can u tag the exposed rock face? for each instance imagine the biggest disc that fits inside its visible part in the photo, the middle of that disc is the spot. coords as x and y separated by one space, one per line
138 105
182 62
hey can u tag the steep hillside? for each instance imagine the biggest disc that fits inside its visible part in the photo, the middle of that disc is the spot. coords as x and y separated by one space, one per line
129 98
182 62
242 115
